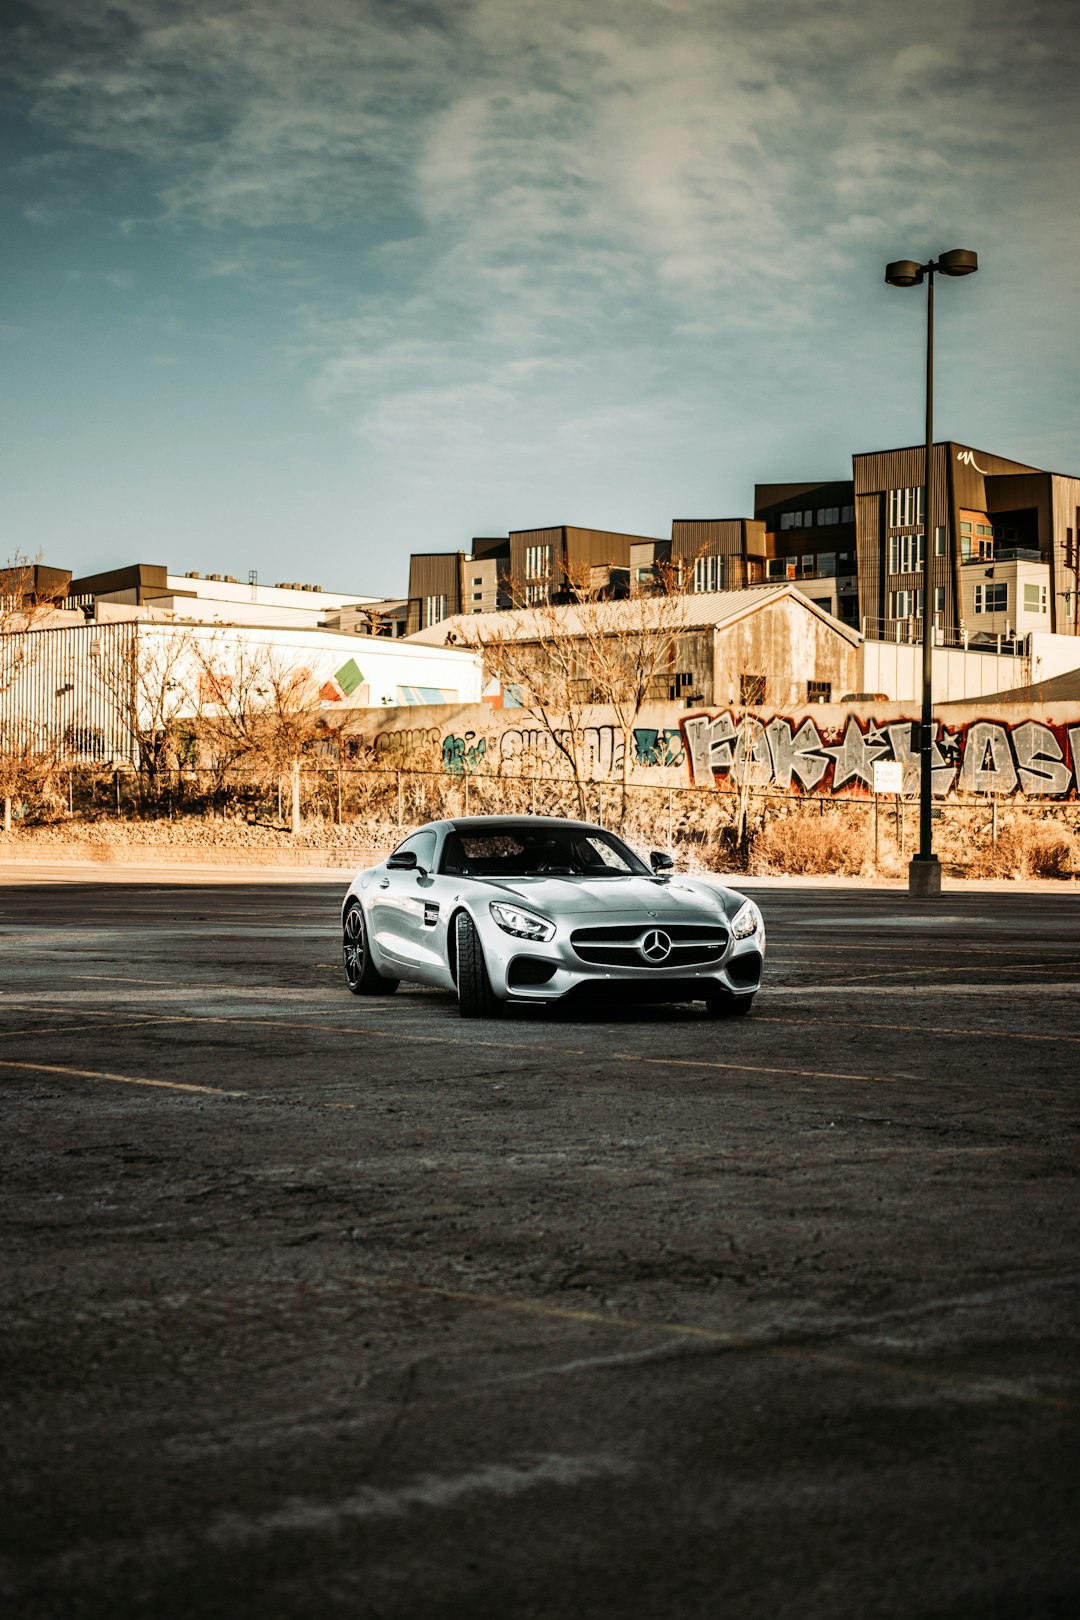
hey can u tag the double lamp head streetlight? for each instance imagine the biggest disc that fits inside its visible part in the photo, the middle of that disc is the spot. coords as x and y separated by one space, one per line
924 874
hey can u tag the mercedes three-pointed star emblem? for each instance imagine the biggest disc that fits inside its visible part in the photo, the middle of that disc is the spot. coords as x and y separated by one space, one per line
655 945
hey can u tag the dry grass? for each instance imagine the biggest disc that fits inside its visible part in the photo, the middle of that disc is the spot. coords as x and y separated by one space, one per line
1028 848
812 843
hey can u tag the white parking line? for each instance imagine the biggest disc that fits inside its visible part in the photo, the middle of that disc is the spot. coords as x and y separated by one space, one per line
121 1079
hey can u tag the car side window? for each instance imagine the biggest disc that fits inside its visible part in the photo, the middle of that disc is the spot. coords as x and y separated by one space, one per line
422 844
453 862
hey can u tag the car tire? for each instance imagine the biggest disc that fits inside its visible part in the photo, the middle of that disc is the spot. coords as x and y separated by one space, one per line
361 975
476 998
722 1004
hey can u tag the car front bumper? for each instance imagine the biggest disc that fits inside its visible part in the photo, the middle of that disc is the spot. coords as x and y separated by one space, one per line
549 970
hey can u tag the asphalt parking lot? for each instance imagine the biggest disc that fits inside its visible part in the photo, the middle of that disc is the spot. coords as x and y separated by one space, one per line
317 1306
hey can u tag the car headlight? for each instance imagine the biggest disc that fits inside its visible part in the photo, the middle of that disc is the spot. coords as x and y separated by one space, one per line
522 924
747 921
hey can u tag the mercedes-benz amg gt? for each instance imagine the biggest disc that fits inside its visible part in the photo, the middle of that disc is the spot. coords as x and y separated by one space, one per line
538 909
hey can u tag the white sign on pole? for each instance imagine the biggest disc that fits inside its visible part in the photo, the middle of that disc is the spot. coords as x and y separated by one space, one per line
888 776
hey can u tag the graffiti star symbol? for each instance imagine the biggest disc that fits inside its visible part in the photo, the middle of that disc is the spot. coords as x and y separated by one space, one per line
853 758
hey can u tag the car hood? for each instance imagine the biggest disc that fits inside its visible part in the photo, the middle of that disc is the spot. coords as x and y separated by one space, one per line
611 897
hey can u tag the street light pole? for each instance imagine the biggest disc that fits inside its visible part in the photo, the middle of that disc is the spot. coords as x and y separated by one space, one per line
924 873
930 869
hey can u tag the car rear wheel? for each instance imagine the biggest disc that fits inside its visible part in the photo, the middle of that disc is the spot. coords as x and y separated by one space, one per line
476 999
361 975
722 1004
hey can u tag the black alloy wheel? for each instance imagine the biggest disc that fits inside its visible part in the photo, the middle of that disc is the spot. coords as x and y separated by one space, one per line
361 974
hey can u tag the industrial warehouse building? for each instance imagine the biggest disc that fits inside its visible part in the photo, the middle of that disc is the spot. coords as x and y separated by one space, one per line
87 690
767 646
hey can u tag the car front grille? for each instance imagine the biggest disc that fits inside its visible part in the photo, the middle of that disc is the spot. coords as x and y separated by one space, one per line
621 945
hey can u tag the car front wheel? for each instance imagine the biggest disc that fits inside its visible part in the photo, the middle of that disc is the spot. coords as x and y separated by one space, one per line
361 975
476 998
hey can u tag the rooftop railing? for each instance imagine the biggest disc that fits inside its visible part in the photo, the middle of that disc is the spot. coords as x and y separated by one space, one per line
909 633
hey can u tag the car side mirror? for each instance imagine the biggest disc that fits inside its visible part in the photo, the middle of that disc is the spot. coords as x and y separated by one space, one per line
403 860
660 862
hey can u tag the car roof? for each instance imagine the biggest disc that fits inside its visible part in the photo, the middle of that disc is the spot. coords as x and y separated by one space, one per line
497 823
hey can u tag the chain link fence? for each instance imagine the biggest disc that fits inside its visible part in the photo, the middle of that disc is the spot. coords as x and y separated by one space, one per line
740 829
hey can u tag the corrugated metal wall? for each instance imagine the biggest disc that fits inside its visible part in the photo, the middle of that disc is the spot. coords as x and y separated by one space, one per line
870 563
714 537
56 691
1065 506
520 542
436 573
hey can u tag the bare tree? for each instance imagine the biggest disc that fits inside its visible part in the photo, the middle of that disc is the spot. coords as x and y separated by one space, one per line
27 759
259 709
535 655
562 659
630 651
147 673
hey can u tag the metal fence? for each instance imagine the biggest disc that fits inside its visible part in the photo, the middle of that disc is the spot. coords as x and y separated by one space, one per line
763 828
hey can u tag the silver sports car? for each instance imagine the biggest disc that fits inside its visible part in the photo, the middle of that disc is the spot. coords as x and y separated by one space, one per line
534 908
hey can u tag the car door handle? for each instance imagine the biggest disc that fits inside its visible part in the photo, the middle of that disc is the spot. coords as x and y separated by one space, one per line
385 884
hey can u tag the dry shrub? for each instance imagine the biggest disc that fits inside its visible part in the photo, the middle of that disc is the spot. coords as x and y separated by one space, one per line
1027 849
811 843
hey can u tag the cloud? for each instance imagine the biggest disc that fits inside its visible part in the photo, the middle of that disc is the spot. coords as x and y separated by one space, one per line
477 206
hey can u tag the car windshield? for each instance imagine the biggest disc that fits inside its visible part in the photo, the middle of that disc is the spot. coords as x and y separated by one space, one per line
539 852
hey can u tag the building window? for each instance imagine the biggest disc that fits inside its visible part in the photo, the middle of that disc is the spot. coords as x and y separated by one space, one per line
992 598
479 581
906 507
782 568
905 553
538 562
819 691
709 574
905 604
828 515
434 610
478 596
751 689
1034 598
939 540
796 520
806 566
939 599
826 563
847 514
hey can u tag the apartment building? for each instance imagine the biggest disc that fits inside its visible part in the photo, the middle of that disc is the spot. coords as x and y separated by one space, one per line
443 584
529 567
1005 543
799 531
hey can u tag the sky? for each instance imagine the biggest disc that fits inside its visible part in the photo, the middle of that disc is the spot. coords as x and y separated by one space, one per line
302 286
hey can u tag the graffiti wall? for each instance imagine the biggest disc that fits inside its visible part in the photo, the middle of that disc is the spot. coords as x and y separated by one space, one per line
826 750
507 742
1032 757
